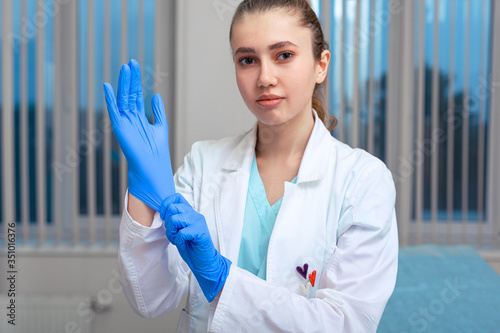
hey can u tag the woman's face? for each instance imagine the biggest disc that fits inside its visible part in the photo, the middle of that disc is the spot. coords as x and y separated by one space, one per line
275 68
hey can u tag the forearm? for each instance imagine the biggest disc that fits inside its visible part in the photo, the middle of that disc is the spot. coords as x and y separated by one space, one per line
139 211
153 275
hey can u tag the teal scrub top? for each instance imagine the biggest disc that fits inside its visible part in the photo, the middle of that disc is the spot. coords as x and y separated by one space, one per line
257 226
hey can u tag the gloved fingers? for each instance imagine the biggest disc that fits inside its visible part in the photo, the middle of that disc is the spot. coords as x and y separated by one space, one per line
140 102
159 111
175 198
109 94
135 98
185 235
175 223
179 208
185 221
172 225
182 220
123 88
180 199
166 203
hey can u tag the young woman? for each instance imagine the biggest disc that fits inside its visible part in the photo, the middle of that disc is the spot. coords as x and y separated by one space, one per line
284 228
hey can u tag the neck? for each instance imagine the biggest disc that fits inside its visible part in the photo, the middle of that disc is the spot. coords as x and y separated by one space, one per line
285 141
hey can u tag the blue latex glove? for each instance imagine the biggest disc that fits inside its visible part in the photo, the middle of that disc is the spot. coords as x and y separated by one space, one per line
145 146
187 229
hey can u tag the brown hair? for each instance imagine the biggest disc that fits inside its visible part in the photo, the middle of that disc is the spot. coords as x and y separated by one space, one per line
308 19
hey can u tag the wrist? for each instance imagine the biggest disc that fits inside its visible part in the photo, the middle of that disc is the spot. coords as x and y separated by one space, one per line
220 281
139 211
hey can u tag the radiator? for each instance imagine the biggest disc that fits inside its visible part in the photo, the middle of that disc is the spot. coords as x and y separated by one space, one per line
48 314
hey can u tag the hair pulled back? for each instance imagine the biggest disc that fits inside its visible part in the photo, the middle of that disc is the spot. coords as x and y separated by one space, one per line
307 19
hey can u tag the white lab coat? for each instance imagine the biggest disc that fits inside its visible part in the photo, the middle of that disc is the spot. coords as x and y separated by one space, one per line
339 218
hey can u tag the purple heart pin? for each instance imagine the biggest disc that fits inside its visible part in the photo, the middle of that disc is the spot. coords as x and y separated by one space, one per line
303 271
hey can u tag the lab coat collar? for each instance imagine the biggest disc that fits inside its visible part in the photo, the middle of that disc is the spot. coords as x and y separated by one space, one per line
314 161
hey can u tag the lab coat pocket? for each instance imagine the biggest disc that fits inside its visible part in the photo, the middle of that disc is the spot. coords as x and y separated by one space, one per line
184 320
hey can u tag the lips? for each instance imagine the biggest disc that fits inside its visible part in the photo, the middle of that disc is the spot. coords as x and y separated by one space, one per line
269 100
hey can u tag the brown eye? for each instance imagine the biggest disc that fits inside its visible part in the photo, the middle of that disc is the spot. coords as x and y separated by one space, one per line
285 56
246 61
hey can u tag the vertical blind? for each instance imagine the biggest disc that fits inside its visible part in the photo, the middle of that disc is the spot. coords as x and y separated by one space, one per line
358 33
415 83
63 175
412 82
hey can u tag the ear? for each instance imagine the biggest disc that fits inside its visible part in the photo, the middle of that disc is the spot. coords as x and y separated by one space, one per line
322 66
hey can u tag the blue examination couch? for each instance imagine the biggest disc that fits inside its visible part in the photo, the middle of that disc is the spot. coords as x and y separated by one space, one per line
443 289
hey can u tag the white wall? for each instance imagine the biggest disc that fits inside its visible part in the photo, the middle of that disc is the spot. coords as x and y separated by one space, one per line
493 258
92 275
208 103
496 265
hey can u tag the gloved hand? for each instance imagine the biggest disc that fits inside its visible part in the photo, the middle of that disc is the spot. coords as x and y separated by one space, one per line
145 146
187 229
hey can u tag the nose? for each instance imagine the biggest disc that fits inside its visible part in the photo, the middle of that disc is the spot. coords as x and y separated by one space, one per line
267 76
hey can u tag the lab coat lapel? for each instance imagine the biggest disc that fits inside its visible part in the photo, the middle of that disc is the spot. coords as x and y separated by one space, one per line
314 161
295 213
230 200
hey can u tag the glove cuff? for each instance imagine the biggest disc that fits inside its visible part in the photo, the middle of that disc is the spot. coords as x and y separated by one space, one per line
211 284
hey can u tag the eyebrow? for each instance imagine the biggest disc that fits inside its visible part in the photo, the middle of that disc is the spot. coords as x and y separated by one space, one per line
271 47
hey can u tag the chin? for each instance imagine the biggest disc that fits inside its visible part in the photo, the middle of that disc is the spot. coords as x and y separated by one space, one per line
266 118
